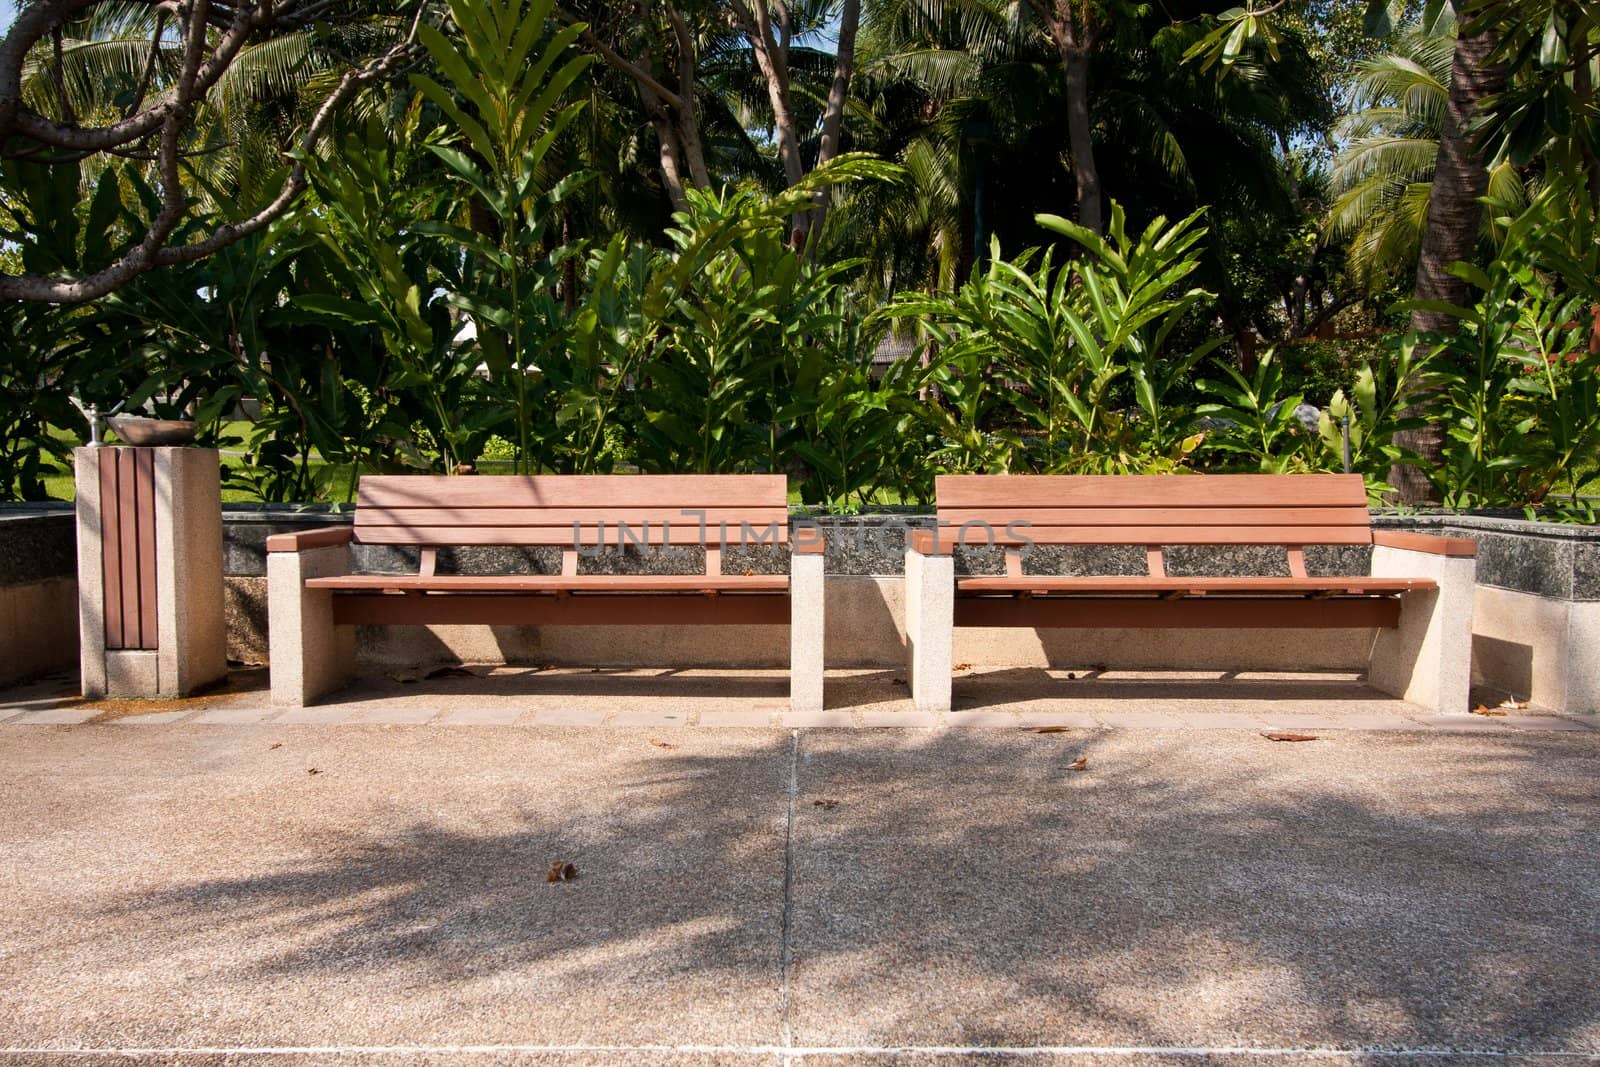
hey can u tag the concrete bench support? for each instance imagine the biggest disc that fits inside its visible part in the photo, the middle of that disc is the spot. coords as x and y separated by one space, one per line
807 621
310 656
930 627
1427 659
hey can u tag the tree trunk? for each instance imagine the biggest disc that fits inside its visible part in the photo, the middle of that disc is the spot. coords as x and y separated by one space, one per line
1455 221
1074 42
688 110
772 58
667 143
844 65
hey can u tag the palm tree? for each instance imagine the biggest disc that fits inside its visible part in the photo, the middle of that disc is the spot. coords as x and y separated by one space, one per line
1383 174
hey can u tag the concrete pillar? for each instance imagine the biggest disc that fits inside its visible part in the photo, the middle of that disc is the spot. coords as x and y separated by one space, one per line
91 575
807 633
167 535
930 627
1427 659
310 656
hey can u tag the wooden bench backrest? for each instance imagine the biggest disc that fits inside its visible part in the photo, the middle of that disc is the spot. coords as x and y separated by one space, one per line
1213 509
437 511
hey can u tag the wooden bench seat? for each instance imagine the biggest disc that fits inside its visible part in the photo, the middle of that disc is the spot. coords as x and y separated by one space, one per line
1244 586
543 583
1418 595
316 602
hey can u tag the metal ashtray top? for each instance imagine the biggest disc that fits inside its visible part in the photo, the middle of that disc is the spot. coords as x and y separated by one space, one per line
141 432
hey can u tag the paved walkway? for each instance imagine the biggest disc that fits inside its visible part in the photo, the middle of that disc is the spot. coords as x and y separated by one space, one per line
200 892
1020 698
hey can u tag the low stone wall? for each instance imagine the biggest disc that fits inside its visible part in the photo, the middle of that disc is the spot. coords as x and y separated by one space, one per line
1536 616
38 593
1537 628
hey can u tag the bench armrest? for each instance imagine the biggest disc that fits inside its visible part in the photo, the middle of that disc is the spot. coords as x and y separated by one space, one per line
808 540
1429 543
302 540
930 543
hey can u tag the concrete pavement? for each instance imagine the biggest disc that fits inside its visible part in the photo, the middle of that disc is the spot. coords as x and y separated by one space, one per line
209 893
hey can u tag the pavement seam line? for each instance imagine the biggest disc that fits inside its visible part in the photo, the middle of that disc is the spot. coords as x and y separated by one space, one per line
786 957
800 1052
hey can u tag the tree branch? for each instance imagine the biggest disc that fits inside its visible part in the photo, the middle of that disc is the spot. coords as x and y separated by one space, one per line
614 59
198 73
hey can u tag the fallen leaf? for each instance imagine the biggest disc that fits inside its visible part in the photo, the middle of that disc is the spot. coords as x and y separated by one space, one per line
451 672
312 770
662 744
898 681
561 871
1081 763
1052 729
961 667
748 573
1291 737
1488 712
825 804
275 744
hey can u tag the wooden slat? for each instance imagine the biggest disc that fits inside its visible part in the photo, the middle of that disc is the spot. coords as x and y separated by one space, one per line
687 518
575 491
1162 535
110 548
128 544
760 609
1160 514
1201 586
145 491
1112 491
587 536
529 583
1231 613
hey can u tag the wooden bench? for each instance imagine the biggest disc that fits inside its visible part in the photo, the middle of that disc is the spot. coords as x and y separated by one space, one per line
1418 595
315 602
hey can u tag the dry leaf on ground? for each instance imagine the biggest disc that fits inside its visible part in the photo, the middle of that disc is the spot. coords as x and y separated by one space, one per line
561 871
1081 763
1052 729
959 667
1291 737
312 770
1488 712
662 744
825 804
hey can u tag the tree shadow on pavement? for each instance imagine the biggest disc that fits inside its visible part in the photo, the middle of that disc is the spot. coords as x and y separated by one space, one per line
954 888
